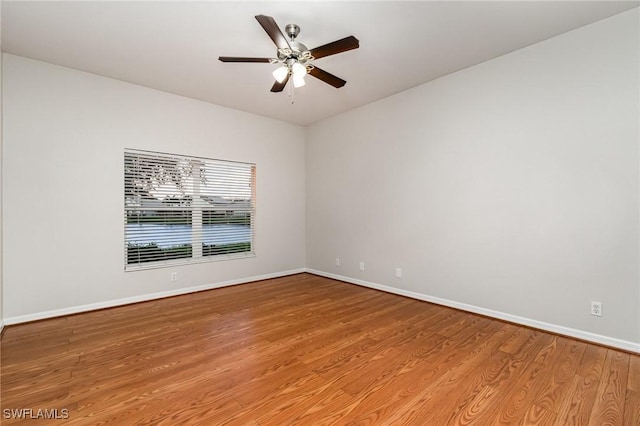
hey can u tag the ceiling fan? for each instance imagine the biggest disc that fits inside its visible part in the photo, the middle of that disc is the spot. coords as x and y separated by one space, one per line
295 59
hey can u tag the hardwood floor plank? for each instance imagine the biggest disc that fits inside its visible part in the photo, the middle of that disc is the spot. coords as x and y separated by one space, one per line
308 350
547 351
575 406
634 373
532 382
289 401
443 399
632 408
561 376
508 395
378 375
517 340
424 382
592 362
610 397
537 415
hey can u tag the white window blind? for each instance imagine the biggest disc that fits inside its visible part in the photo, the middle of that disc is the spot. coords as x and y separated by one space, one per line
181 209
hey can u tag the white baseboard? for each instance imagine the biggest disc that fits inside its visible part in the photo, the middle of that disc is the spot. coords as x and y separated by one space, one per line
553 328
142 298
566 331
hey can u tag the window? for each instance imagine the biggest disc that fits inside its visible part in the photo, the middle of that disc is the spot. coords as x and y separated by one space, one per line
181 209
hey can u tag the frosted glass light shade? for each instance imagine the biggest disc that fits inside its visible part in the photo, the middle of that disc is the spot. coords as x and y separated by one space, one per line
298 81
298 69
280 74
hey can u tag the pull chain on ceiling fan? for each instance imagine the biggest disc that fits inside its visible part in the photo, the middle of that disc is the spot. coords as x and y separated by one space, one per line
295 59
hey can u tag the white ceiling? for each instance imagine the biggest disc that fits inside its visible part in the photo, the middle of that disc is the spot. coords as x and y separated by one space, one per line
174 46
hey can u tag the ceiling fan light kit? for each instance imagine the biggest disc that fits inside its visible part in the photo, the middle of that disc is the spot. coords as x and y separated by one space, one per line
294 57
281 73
298 81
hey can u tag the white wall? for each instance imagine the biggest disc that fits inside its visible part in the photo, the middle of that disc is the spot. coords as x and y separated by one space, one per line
509 188
64 136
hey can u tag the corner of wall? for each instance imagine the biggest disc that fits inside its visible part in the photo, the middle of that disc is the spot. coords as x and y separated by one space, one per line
515 319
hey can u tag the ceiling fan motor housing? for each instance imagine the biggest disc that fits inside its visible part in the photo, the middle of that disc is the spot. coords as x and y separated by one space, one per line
298 51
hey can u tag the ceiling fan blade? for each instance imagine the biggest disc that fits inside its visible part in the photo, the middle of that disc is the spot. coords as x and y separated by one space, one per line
278 87
241 59
327 77
270 26
338 46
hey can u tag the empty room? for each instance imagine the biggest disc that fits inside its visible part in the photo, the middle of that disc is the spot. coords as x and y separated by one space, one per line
320 213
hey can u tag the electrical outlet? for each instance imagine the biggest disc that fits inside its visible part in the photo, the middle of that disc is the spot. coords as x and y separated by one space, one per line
398 272
174 276
596 309
337 261
362 266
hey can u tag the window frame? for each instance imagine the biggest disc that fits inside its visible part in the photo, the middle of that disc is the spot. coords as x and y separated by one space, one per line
198 202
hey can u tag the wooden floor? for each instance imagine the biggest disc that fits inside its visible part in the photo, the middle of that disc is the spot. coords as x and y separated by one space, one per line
307 350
